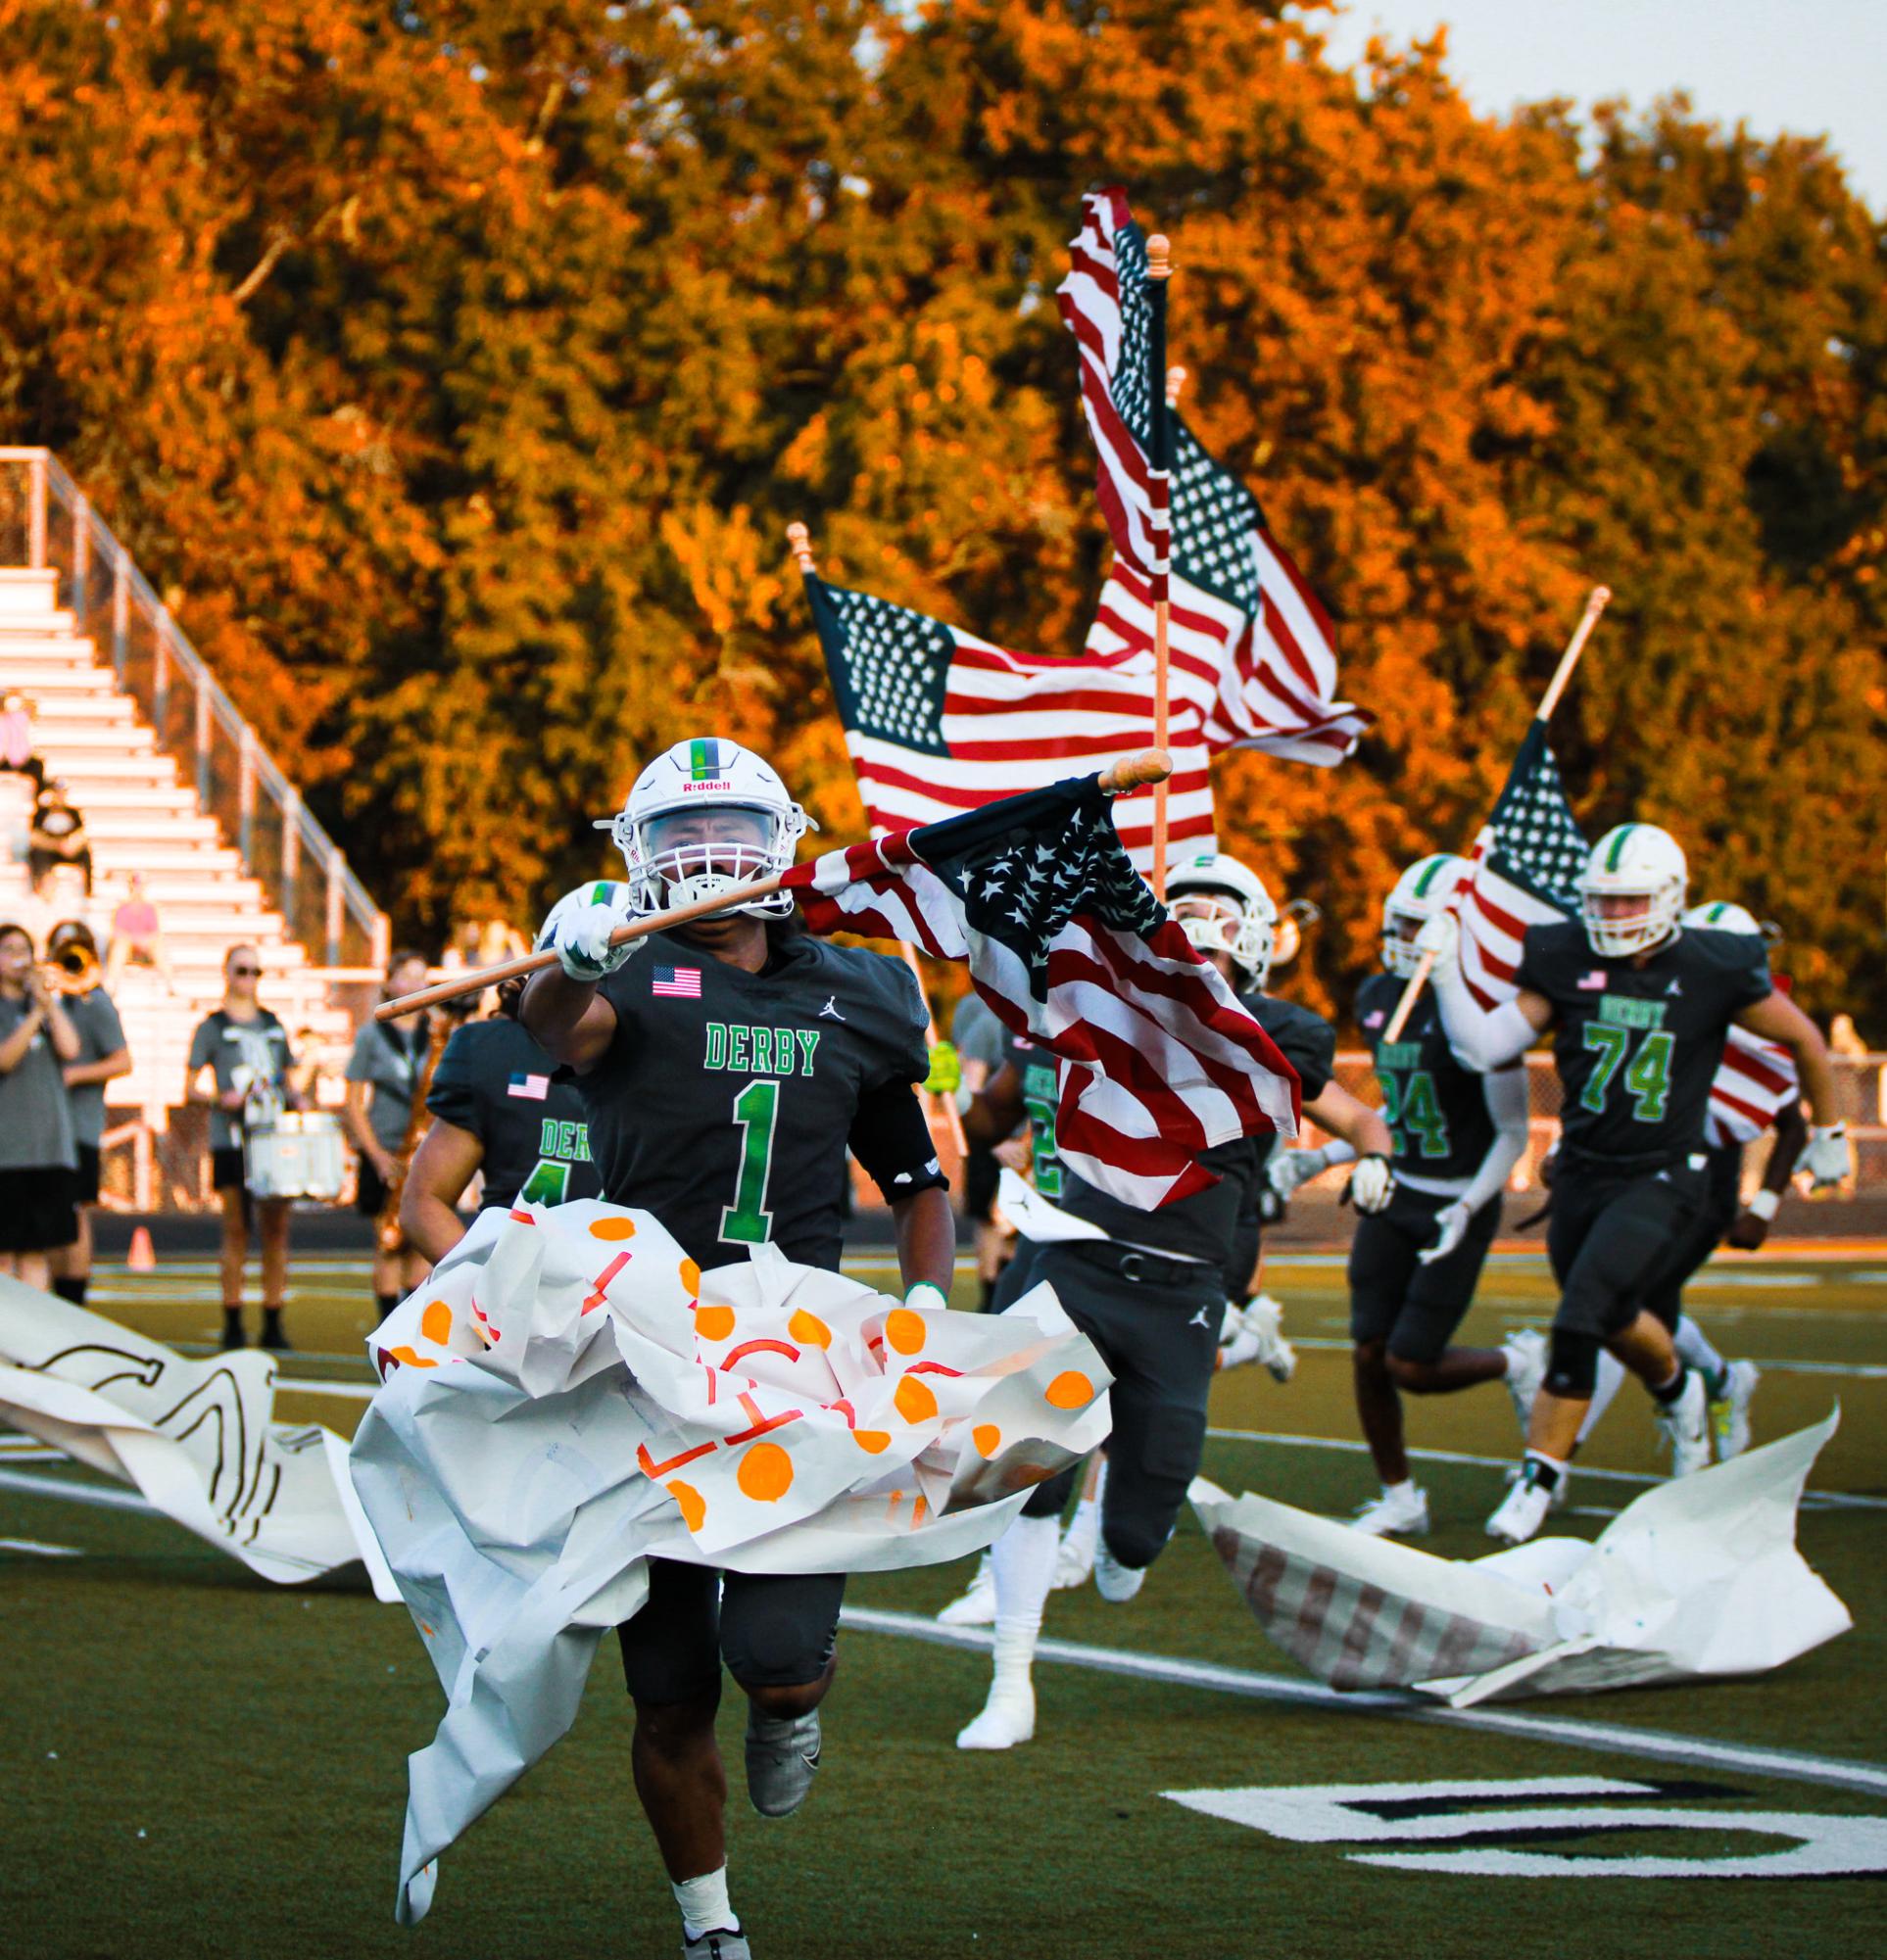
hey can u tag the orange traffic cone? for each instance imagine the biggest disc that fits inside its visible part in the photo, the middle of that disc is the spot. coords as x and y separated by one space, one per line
142 1257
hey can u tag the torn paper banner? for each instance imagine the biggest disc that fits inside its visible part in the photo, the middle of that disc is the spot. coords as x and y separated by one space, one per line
1695 1578
194 1437
569 1397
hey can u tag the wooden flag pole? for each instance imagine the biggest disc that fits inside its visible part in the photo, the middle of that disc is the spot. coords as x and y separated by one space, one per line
1159 270
1595 604
1150 765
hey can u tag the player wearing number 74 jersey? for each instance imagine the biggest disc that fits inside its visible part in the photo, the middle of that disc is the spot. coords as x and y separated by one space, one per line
1639 1005
725 1071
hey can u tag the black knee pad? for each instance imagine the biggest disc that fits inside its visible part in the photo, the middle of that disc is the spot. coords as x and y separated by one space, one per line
1572 1365
777 1630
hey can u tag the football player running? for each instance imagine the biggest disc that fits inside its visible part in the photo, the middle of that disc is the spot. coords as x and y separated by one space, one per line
724 1072
1639 1005
496 1109
1414 1266
1149 1290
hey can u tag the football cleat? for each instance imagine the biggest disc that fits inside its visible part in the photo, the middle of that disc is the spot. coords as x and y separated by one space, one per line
1521 1512
1684 1425
782 1756
718 1942
1526 1353
1393 1514
976 1608
1257 1335
1114 1582
1729 1413
1073 1558
1008 1717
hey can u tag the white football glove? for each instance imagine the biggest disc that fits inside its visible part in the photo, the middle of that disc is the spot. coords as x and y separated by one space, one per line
1289 1169
582 943
1440 936
1451 1227
1828 1158
1372 1184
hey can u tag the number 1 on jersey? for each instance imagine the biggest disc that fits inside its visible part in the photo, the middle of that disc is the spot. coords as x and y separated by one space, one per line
746 1220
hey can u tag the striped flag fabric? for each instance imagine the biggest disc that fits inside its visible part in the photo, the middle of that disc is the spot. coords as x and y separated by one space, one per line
1755 1083
1069 948
938 722
1252 650
1527 864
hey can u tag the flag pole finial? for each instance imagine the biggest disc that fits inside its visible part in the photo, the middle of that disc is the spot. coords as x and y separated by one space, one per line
1158 257
1174 384
799 544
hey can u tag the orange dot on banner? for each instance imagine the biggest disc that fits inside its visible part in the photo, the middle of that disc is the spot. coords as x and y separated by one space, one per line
436 1322
612 1229
905 1330
413 1361
713 1323
913 1401
765 1473
1072 1390
987 1438
691 1276
809 1330
874 1442
693 1506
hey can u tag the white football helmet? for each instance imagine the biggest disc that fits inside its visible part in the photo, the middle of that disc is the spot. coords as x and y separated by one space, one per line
1631 891
704 817
610 891
1228 910
1720 916
1419 893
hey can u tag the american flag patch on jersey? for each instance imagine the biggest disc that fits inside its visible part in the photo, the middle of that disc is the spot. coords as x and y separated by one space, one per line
529 1088
1591 983
677 983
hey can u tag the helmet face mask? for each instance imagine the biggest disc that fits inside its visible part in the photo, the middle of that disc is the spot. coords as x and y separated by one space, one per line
1424 889
702 819
1631 892
1222 906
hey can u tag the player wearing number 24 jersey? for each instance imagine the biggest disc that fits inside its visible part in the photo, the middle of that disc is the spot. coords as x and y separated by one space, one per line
724 1071
1639 1006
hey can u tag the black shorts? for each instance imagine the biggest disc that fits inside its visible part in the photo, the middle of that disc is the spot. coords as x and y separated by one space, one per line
1394 1297
369 1190
227 1168
37 1213
981 1172
774 1630
85 1177
1618 1242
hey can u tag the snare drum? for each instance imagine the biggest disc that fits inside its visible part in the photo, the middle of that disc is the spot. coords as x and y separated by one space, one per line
296 1156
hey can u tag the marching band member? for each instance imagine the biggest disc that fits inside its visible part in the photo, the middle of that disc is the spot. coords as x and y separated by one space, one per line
38 1153
383 1079
102 1058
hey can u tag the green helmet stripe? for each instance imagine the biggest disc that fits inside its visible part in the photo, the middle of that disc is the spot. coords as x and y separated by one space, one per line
1618 838
1427 877
703 759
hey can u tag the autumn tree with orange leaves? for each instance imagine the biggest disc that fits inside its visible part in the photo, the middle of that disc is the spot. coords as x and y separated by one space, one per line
455 369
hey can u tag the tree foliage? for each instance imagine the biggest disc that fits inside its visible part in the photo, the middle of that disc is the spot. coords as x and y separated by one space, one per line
456 368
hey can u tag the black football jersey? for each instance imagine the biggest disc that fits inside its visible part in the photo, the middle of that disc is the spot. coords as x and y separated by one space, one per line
1638 1046
725 1100
495 1081
1435 1108
1306 1040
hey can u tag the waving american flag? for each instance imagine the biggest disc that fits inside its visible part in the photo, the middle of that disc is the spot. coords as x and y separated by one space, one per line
1755 1083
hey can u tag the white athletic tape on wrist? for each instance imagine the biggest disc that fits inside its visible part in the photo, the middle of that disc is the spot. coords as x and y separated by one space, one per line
1766 1205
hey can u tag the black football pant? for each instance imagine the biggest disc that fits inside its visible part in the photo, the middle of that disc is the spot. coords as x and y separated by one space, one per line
1156 1324
774 1629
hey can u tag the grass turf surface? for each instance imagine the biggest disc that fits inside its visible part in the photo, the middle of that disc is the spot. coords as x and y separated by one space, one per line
256 1736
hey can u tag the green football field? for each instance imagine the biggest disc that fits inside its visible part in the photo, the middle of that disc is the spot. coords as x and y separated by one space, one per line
198 1762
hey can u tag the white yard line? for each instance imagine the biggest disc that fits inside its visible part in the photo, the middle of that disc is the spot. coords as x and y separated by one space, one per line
1574 1732
101 1496
1859 1370
39 1549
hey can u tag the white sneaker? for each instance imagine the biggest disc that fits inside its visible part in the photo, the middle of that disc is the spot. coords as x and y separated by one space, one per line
1008 1717
1684 1425
1561 1490
1075 1556
1526 1353
978 1607
1395 1515
1114 1582
1260 1338
1729 1414
1521 1512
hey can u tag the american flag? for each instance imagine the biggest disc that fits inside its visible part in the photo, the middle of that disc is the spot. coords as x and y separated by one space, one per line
1527 865
676 983
1106 305
1070 949
1252 650
938 722
1755 1083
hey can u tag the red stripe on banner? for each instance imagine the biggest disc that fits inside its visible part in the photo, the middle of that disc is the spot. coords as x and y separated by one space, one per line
1508 923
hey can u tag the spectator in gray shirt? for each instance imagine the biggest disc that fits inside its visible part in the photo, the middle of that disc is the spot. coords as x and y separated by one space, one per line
103 1057
37 1157
384 1091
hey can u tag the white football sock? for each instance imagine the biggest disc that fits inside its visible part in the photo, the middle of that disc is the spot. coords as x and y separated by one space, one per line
1084 1531
1695 1351
704 1904
1405 1489
1023 1559
1612 1374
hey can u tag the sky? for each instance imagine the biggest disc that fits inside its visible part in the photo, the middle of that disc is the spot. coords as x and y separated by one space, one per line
1810 67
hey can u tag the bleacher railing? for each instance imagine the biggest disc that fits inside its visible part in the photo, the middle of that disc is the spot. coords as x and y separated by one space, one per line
46 522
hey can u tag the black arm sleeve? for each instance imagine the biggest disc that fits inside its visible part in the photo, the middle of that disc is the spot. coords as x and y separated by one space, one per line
891 1140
